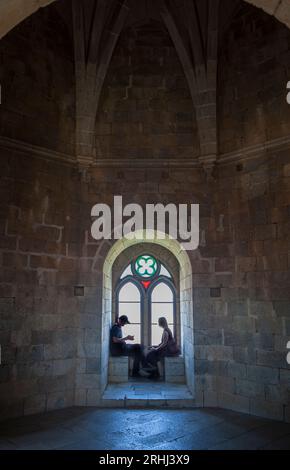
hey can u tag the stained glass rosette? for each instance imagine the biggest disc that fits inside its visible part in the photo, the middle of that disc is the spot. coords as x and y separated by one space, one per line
146 267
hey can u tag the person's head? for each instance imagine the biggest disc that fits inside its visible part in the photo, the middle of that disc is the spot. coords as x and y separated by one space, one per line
123 320
162 322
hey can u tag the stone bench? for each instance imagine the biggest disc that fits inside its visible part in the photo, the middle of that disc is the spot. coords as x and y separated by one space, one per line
174 369
118 369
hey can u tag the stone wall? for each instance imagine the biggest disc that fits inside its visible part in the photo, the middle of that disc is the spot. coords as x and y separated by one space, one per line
37 81
40 213
242 326
146 110
53 347
253 72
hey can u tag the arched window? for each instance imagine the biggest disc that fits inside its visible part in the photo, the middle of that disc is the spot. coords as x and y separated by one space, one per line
162 305
130 305
145 292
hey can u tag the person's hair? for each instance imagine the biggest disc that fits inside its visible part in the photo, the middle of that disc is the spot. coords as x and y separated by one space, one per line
163 322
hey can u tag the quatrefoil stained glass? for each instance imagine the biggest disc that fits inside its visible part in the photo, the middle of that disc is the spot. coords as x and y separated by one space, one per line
146 266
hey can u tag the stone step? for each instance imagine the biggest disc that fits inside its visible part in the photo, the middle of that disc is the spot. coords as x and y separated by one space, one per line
148 395
148 403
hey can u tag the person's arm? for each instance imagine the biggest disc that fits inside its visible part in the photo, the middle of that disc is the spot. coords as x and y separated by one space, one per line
122 340
163 344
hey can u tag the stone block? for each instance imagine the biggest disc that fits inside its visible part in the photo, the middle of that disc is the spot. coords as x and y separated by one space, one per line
174 369
209 336
285 376
7 307
244 323
271 359
35 404
93 366
210 399
265 232
215 353
41 337
264 341
237 338
80 398
277 393
266 409
224 265
287 327
118 369
59 400
94 397
237 370
250 389
270 325
245 355
88 321
30 354
63 366
198 398
287 414
246 264
46 262
81 364
87 380
226 384
238 307
50 384
282 308
5 373
261 374
234 402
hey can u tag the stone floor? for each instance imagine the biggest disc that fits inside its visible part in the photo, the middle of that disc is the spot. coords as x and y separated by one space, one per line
149 394
90 429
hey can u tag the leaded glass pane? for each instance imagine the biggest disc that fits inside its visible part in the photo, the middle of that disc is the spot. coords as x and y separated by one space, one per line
129 293
162 310
127 272
162 293
164 272
131 310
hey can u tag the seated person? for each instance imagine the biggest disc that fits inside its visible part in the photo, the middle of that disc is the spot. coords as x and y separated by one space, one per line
119 347
167 347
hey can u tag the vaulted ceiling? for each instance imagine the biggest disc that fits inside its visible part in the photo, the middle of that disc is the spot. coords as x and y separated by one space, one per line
13 12
97 25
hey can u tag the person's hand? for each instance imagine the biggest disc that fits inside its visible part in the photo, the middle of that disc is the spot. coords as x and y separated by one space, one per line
130 338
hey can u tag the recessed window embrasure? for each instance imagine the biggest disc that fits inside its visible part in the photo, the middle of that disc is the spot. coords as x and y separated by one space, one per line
146 291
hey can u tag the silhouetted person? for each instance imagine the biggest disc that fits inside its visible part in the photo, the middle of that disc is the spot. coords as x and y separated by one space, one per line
167 347
119 347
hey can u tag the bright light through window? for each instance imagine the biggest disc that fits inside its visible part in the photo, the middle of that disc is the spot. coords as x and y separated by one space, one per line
130 305
146 294
162 305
